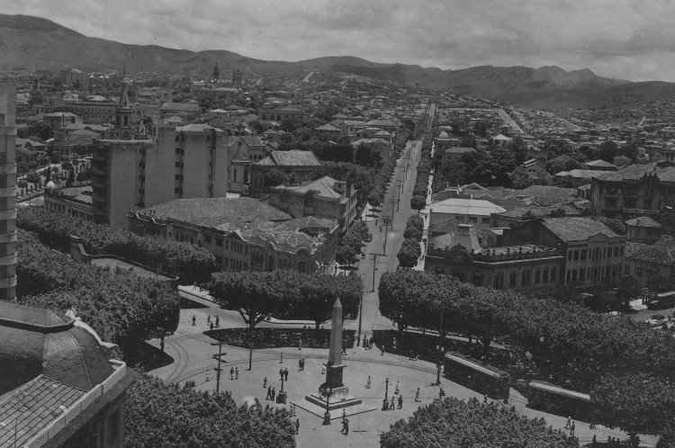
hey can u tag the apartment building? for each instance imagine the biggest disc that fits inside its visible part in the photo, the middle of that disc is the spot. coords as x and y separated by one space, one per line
8 238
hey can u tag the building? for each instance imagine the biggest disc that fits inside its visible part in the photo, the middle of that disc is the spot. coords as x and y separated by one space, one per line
243 233
651 265
324 198
643 229
186 111
635 190
521 267
96 112
463 211
8 237
71 201
59 120
244 152
280 113
600 165
58 387
593 253
294 166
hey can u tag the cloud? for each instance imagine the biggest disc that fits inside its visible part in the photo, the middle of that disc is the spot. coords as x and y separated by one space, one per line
630 39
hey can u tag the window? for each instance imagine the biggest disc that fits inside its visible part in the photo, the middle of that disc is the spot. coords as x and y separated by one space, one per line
583 254
576 255
545 275
553 275
582 275
574 275
569 255
537 276
525 278
512 280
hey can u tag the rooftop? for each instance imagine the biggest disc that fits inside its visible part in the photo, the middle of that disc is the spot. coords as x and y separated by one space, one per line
644 221
571 229
460 206
294 157
324 187
180 107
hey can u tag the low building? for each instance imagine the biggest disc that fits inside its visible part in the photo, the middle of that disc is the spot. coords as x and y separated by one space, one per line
593 252
643 229
295 166
600 165
521 267
243 233
71 201
244 152
324 198
461 210
58 387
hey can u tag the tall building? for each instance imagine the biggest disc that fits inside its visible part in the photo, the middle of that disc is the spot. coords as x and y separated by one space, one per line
7 192
190 161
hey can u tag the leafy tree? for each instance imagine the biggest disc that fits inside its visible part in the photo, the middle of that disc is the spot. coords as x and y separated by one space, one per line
274 177
451 422
159 415
418 202
409 253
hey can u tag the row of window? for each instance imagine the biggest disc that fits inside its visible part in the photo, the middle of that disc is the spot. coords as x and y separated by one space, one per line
594 273
528 277
595 253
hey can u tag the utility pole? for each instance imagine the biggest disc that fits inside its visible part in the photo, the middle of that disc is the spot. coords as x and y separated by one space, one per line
219 358
386 221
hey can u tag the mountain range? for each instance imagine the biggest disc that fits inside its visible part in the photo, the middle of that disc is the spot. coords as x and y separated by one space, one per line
28 42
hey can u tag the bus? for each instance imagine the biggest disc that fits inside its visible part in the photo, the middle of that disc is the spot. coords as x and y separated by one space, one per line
477 376
558 400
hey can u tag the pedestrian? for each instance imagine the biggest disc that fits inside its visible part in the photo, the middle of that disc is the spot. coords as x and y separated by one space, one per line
231 373
572 429
569 422
299 364
194 320
441 393
485 398
400 401
211 326
323 370
345 427
269 393
417 395
382 351
274 394
208 319
265 383
397 391
217 321
368 383
595 441
236 373
392 403
281 373
297 426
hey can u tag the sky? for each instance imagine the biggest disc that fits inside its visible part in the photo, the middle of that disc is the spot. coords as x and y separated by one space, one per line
626 39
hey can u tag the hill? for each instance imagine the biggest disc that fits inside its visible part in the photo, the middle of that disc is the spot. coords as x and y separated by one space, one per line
28 43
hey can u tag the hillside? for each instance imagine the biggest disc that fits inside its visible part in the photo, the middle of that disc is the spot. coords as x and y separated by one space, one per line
30 42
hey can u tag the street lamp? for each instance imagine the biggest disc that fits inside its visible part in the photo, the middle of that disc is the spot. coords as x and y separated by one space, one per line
385 402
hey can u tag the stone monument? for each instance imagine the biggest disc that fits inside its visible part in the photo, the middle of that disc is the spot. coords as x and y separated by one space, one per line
333 394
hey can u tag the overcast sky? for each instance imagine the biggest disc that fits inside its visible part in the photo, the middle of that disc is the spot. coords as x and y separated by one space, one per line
630 39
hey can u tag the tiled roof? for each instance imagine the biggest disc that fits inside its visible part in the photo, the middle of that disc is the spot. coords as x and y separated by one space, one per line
460 150
180 107
323 186
600 164
462 206
577 228
293 157
644 221
33 406
216 212
196 127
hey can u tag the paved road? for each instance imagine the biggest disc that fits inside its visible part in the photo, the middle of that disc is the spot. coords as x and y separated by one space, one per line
396 204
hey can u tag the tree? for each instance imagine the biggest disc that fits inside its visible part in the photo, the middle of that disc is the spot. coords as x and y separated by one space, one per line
418 202
215 76
454 423
409 253
636 403
159 415
274 177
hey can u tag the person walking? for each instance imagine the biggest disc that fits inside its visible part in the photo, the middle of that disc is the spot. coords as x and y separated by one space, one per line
194 320
345 426
274 394
269 393
236 373
217 321
441 393
231 373
572 427
392 403
400 401
281 373
417 395
265 383
297 426
569 422
368 383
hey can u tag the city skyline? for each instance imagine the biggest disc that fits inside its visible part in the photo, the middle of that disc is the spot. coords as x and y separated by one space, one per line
625 39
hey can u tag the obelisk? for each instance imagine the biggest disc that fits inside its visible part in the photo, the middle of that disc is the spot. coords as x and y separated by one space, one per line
334 366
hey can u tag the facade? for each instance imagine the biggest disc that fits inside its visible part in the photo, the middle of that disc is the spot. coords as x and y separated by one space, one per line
522 267
244 152
463 211
635 190
643 229
296 166
185 162
8 237
58 387
71 201
280 113
243 233
593 253
324 198
96 112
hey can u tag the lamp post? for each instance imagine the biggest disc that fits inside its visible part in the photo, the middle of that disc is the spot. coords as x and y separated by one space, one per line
385 402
